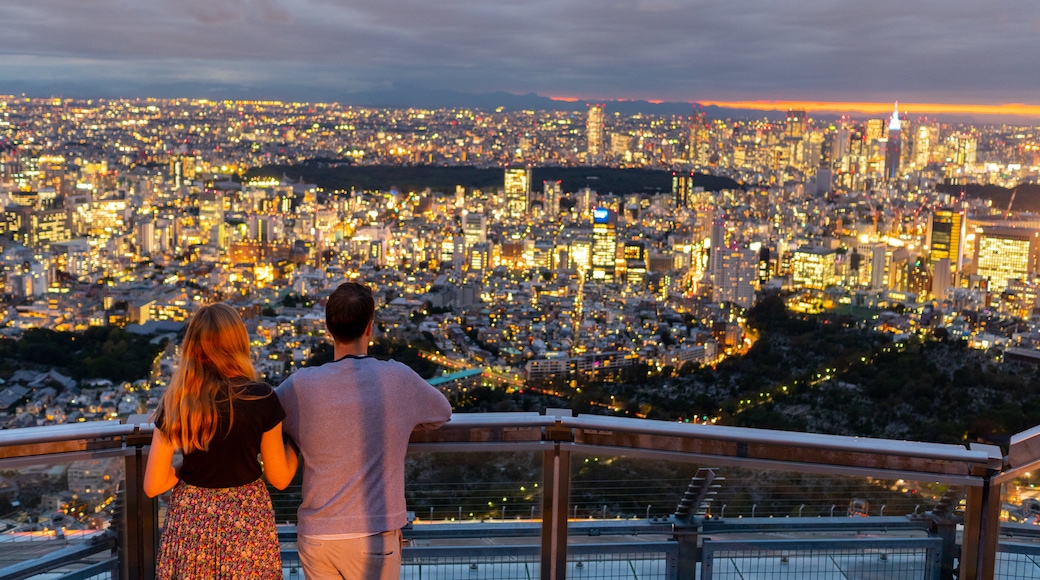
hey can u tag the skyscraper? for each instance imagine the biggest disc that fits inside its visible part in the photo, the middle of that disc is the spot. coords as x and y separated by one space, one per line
874 130
962 148
719 240
923 141
894 149
517 190
604 244
700 139
797 124
594 133
946 235
682 188
737 277
553 191
1005 254
474 228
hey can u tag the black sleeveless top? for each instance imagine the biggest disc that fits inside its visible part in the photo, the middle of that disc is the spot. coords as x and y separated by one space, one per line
232 460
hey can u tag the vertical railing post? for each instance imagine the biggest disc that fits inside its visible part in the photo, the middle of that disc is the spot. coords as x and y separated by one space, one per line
689 556
139 536
982 520
946 530
556 484
943 525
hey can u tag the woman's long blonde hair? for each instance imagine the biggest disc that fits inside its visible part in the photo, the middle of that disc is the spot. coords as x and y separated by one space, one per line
214 360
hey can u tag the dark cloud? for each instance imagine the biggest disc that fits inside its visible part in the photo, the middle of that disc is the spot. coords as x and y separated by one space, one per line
925 50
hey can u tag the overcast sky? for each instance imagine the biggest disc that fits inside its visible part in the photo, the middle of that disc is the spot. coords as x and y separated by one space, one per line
937 51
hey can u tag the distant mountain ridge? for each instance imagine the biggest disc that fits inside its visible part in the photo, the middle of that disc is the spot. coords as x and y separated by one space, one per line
414 97
398 96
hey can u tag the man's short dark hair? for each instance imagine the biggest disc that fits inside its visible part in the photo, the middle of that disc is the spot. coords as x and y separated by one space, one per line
349 310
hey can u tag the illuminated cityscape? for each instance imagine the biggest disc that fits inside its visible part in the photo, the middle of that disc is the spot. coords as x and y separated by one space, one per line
714 290
131 213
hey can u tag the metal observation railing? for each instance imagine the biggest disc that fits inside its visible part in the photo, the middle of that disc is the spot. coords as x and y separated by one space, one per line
561 533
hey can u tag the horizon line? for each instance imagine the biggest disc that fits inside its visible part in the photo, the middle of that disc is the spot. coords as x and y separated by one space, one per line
1005 109
810 106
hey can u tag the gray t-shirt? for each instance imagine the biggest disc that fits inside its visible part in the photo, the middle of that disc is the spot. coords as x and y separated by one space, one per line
351 420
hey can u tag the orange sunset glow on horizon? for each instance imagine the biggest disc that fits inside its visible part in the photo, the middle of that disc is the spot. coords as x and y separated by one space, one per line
1006 109
863 107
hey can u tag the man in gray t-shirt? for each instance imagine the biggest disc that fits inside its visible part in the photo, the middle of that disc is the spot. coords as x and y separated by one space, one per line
351 420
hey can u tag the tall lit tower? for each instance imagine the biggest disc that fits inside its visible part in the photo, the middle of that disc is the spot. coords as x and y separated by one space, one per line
553 191
924 139
719 241
946 234
518 190
604 244
700 139
594 133
797 124
893 151
682 189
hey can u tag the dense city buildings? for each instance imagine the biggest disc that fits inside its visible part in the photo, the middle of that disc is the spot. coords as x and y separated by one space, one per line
133 212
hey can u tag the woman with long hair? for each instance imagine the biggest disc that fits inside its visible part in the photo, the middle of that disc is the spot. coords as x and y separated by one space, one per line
220 523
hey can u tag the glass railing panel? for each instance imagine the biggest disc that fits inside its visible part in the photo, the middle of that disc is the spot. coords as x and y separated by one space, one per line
478 492
61 518
609 487
455 487
474 487
286 501
889 558
1018 551
291 568
650 559
502 562
632 499
476 515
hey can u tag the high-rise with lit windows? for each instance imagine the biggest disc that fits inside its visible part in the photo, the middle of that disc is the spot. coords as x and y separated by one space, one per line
682 188
553 191
594 133
1005 254
797 124
517 190
737 277
474 228
962 148
894 147
604 244
924 139
700 139
946 235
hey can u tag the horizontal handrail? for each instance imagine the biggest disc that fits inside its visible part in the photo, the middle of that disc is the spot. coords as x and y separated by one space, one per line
498 431
782 450
64 432
558 432
915 449
499 420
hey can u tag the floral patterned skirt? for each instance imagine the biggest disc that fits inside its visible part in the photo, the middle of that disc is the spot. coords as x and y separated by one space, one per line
225 533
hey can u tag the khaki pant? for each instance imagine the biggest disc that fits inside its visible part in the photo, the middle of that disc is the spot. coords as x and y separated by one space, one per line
375 557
